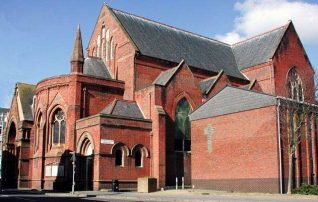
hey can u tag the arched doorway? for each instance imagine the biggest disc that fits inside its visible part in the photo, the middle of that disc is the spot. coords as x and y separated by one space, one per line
182 142
85 164
11 156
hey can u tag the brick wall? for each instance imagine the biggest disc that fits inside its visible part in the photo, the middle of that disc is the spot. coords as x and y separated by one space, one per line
244 153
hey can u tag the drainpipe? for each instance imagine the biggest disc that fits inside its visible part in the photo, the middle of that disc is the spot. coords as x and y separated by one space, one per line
279 148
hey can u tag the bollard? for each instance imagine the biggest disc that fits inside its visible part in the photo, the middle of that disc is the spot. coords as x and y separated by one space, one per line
176 183
182 182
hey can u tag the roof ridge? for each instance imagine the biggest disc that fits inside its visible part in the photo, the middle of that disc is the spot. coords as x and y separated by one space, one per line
128 101
172 27
261 34
209 78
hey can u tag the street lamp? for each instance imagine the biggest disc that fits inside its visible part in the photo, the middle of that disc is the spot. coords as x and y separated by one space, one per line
73 159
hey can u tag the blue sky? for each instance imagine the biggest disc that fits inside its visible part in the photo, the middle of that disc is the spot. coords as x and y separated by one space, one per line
36 36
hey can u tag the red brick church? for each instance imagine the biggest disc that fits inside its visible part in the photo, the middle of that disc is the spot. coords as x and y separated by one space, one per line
149 99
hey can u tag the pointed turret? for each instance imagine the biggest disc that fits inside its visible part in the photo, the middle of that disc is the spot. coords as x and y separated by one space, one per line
77 59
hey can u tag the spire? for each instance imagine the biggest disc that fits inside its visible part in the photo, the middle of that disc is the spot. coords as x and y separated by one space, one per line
77 58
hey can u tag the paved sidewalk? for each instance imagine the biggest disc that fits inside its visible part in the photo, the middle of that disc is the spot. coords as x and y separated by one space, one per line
199 195
168 195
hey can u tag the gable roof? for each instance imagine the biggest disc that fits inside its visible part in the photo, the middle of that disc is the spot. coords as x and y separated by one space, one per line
231 100
259 49
26 94
165 76
96 67
168 43
123 108
207 84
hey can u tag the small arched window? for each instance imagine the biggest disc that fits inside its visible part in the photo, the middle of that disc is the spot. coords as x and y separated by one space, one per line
138 158
58 127
98 45
294 85
107 45
37 133
119 157
112 48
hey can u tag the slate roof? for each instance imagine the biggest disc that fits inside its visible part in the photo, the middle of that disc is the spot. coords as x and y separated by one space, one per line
171 44
3 110
165 76
259 49
231 100
96 67
26 93
123 108
206 84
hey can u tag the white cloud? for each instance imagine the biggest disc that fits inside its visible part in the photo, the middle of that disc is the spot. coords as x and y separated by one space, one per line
230 37
257 16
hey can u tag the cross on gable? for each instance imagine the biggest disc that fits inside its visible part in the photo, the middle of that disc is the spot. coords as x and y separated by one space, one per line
209 131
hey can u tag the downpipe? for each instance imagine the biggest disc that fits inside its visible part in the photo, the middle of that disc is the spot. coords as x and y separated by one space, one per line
279 148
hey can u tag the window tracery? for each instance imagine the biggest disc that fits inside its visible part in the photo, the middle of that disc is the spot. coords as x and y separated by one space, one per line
58 127
295 88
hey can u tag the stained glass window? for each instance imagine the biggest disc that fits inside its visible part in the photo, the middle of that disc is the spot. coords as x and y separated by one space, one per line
182 126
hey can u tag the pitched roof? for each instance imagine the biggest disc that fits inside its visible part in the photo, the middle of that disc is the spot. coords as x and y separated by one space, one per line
207 84
165 76
231 100
96 67
123 108
259 49
26 93
171 44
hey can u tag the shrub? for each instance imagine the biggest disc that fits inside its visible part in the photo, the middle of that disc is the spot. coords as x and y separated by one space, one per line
306 189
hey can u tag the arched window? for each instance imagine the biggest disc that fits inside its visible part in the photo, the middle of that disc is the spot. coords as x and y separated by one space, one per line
37 134
138 158
58 127
119 157
107 45
295 88
103 42
182 126
98 45
112 47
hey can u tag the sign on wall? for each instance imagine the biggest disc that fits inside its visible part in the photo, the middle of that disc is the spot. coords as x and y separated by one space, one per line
105 141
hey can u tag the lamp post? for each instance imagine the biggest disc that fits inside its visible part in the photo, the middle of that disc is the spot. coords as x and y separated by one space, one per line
73 159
